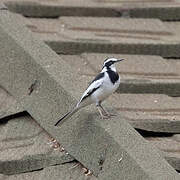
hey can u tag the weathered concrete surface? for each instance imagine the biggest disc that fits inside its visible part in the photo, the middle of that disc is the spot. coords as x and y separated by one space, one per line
165 10
170 147
25 146
150 112
8 105
157 113
3 177
174 26
35 78
123 104
74 35
19 128
70 171
2 6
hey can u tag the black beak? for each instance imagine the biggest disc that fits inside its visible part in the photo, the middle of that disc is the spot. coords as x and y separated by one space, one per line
119 60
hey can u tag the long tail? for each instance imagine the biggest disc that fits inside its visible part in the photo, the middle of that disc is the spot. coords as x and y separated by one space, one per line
68 115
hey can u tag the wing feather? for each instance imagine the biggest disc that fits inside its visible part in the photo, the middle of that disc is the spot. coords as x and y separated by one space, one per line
95 84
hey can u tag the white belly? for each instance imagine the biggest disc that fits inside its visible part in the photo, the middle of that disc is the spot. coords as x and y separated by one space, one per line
105 90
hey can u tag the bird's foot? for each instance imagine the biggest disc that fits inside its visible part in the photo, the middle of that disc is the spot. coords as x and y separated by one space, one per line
111 115
105 116
108 115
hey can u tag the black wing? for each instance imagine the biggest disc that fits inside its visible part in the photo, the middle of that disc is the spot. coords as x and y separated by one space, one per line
99 76
94 85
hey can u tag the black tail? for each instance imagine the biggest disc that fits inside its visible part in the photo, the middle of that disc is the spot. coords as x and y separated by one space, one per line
68 115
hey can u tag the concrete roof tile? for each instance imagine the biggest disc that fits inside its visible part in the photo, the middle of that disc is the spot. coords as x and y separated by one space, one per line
139 74
169 145
8 105
107 35
25 146
166 9
72 171
34 80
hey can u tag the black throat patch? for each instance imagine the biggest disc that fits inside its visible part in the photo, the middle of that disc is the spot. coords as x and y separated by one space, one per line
114 77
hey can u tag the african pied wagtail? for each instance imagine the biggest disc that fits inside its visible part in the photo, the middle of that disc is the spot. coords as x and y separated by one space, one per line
104 84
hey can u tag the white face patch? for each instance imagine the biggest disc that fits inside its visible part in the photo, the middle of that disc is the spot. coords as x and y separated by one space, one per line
109 60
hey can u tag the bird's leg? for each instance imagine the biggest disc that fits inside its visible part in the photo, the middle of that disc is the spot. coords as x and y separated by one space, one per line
106 112
103 116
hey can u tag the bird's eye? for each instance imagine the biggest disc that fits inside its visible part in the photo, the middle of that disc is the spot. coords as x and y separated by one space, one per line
107 64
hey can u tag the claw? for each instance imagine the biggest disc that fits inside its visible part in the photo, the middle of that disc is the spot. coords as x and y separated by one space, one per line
111 115
104 114
101 112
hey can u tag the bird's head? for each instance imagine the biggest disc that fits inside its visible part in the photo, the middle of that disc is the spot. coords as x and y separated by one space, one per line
109 63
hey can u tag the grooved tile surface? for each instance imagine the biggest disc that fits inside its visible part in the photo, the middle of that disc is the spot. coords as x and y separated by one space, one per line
162 9
74 35
48 85
25 146
139 74
144 110
36 79
8 105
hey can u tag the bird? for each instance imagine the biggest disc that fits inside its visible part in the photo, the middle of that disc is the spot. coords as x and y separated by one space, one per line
103 85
